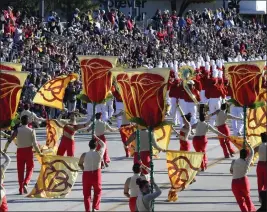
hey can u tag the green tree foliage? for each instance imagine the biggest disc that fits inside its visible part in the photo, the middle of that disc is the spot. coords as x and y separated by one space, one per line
186 3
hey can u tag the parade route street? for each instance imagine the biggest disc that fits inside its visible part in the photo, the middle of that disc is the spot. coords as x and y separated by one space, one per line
211 191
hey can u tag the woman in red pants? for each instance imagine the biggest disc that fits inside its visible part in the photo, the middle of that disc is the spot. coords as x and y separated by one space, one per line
3 202
240 183
185 131
200 140
67 143
221 119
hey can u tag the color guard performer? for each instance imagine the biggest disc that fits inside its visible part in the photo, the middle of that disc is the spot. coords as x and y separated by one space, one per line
262 164
200 140
67 143
144 147
184 131
221 119
240 183
3 201
32 116
26 140
90 163
131 189
100 128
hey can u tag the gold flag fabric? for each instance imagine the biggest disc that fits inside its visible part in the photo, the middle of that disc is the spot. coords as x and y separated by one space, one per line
53 133
11 83
126 132
57 177
51 94
182 169
161 134
6 66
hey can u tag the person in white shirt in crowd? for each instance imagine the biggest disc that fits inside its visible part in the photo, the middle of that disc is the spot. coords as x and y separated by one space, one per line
3 201
100 128
262 164
90 163
31 115
145 197
240 183
26 140
131 189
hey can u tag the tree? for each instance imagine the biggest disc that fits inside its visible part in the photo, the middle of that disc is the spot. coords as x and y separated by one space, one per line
186 3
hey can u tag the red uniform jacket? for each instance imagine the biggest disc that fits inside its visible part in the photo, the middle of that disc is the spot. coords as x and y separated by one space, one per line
175 90
198 83
194 91
213 89
116 94
171 80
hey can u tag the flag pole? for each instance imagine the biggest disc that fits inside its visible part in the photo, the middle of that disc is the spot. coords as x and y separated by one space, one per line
138 143
93 124
245 123
151 162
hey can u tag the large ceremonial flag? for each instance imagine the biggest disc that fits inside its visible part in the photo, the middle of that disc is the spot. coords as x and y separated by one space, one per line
97 77
6 66
57 177
182 169
11 83
53 133
51 94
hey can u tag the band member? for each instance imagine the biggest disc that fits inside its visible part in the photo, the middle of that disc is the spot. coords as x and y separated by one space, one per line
100 128
184 131
144 147
262 164
118 103
131 189
221 119
125 123
26 140
90 163
190 106
3 201
200 140
110 109
240 183
67 143
174 94
32 116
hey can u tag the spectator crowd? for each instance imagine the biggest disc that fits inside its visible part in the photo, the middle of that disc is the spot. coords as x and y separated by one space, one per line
48 49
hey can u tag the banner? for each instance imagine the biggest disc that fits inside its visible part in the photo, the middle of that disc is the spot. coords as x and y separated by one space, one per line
57 177
51 94
182 169
5 66
11 83
53 133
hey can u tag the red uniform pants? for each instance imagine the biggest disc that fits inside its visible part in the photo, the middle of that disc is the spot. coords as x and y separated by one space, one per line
106 158
66 145
92 179
225 142
184 145
4 206
262 175
124 138
145 158
200 145
24 157
132 204
241 190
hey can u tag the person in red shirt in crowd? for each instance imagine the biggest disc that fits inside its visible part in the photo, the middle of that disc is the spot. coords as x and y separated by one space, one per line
161 35
129 23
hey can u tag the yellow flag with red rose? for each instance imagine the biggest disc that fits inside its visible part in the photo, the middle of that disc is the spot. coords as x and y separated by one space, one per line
6 66
57 177
51 94
53 133
11 83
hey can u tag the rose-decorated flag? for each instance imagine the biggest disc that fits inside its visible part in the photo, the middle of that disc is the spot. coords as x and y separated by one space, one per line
182 169
57 177
245 80
51 94
97 76
11 83
126 132
6 66
53 133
